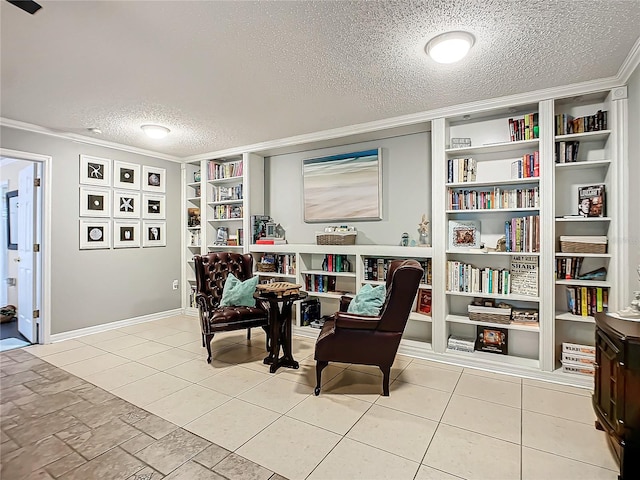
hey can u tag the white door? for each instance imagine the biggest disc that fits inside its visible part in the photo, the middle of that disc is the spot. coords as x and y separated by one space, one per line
26 256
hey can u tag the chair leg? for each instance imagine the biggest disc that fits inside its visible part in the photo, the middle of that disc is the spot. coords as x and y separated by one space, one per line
248 334
319 367
267 337
386 372
207 341
204 344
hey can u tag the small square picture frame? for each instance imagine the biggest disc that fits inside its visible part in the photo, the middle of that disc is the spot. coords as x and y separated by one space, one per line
126 234
95 171
95 234
153 179
126 175
95 202
154 234
126 204
153 206
464 234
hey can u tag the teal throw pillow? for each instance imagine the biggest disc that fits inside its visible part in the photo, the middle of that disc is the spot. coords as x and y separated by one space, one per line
237 293
368 301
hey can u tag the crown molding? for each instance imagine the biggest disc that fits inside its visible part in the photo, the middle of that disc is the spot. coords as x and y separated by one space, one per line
630 63
74 137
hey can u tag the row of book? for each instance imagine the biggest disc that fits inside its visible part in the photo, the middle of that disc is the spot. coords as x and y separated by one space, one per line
578 359
568 268
523 234
497 198
488 339
566 124
376 269
526 167
336 263
525 128
566 152
461 170
283 263
320 283
223 193
464 277
218 171
587 301
225 212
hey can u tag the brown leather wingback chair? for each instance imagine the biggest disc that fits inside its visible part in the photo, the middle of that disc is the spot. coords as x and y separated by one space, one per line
351 338
211 273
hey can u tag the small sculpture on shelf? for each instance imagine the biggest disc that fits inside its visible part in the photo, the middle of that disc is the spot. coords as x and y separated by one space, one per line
404 242
423 230
633 310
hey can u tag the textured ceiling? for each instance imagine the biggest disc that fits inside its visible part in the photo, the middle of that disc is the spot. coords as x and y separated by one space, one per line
227 74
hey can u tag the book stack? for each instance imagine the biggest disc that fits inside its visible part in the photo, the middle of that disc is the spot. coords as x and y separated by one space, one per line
567 152
587 301
566 124
526 167
578 359
525 128
461 170
461 344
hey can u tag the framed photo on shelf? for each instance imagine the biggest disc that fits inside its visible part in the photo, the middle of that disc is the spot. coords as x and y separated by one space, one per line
126 234
464 234
95 171
95 202
154 234
424 301
126 175
153 206
357 177
591 201
95 234
492 339
153 179
126 204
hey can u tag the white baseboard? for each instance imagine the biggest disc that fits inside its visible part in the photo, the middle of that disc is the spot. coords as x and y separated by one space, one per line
81 332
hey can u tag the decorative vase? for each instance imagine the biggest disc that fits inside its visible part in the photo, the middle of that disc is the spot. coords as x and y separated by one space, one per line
196 176
424 239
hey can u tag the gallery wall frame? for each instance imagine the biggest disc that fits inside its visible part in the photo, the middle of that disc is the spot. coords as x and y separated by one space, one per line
126 204
154 234
95 234
153 206
95 171
95 202
126 234
153 179
343 187
126 175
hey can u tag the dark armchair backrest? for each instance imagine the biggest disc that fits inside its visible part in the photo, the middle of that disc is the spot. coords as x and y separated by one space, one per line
212 270
403 280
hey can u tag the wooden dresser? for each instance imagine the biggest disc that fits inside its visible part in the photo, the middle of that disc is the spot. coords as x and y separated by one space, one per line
616 397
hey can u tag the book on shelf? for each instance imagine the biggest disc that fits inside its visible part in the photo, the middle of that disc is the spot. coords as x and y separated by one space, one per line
525 128
271 241
568 268
463 277
566 152
423 304
524 275
309 312
461 344
587 301
461 170
577 358
578 348
492 198
526 167
492 339
567 125
591 200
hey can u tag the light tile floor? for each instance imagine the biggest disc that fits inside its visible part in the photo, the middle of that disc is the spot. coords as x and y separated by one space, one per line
240 422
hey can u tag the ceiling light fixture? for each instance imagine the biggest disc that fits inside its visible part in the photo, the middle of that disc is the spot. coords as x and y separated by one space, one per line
155 131
449 47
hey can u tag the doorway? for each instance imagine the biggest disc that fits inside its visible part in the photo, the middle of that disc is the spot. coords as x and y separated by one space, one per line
23 249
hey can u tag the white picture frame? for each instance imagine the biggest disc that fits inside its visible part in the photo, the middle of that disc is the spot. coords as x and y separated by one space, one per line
154 234
464 234
153 206
126 234
126 175
95 171
95 234
126 204
95 202
153 179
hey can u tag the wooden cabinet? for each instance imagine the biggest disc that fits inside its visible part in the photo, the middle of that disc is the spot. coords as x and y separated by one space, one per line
616 398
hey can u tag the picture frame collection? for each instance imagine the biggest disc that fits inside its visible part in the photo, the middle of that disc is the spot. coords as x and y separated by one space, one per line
122 205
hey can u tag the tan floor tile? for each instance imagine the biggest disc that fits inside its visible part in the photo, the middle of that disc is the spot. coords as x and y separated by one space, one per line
73 356
428 473
181 338
432 363
121 375
495 376
52 348
336 413
149 389
566 438
238 354
355 384
537 465
416 400
277 394
156 331
465 454
354 460
489 389
398 366
587 392
138 327
395 432
305 445
307 372
232 424
235 380
95 365
119 343
168 359
100 337
558 404
143 350
484 417
186 405
431 377
197 369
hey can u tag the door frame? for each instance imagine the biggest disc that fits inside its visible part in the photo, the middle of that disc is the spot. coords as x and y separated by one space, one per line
43 261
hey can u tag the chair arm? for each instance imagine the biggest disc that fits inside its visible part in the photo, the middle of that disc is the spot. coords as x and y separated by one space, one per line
204 302
355 321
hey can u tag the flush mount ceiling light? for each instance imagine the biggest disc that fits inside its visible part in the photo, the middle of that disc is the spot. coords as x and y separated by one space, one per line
449 47
155 131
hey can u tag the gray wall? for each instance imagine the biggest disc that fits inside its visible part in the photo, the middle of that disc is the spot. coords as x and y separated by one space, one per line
633 178
406 190
94 287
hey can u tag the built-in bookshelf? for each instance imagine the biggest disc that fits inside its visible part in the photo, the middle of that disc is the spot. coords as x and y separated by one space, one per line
193 231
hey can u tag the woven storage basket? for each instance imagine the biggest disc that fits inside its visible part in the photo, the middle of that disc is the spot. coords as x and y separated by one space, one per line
336 238
489 314
266 267
568 246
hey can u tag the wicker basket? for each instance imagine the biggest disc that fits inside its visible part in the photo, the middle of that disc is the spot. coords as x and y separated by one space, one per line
489 314
266 267
567 245
336 238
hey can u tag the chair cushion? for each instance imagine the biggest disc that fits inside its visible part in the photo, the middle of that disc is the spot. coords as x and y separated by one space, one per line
368 301
226 316
237 293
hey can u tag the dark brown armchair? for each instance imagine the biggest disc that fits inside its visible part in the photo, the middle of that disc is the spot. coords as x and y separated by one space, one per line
211 272
351 338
